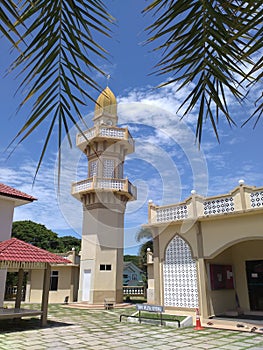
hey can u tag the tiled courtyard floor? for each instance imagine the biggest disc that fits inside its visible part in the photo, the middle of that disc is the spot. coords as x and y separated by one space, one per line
101 330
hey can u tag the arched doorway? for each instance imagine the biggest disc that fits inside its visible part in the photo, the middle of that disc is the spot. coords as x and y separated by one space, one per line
180 275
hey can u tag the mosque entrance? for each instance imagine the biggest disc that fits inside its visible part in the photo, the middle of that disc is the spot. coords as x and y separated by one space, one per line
254 270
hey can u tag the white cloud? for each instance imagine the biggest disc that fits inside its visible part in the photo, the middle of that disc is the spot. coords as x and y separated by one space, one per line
166 165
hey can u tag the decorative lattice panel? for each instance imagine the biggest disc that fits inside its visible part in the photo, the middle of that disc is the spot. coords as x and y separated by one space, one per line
256 199
180 275
82 186
112 184
108 168
219 206
115 133
93 168
171 214
89 134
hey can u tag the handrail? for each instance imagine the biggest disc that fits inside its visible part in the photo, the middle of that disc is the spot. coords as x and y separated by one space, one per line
153 319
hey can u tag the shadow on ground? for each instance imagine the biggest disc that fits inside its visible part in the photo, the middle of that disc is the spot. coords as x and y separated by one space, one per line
9 326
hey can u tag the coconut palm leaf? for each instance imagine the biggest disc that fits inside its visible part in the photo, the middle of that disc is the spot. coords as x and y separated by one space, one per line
209 43
57 60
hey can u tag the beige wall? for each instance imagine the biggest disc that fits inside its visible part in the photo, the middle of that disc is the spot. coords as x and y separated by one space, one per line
6 219
237 255
219 234
227 240
102 243
67 275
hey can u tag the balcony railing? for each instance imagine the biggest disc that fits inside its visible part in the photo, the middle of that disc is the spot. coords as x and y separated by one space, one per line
242 198
104 131
95 183
134 290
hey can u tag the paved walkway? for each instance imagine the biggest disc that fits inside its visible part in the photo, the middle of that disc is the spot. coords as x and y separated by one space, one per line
101 330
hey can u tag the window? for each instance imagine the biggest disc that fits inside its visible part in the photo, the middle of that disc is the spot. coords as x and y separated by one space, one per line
93 168
120 171
134 277
54 280
108 168
105 267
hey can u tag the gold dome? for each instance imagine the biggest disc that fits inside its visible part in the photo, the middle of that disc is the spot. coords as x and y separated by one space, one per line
106 103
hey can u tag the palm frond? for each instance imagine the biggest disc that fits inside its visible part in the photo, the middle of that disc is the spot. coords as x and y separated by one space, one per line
209 43
59 47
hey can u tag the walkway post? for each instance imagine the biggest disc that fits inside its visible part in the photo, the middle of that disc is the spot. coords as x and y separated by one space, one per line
46 284
19 288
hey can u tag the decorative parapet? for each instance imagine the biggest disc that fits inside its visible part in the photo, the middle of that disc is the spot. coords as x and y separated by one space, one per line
176 212
242 198
218 205
94 183
105 132
256 199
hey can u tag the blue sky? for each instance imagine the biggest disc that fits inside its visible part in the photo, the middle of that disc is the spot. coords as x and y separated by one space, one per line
167 163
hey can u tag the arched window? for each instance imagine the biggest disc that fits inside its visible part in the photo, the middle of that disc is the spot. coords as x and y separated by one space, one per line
179 275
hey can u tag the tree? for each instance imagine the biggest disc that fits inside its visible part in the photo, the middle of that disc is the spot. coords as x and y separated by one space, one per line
69 242
142 234
143 254
38 235
135 259
210 43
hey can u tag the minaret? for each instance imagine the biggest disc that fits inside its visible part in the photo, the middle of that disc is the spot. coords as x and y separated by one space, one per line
104 195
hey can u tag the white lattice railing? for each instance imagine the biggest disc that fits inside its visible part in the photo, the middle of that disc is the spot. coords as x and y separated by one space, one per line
133 290
117 184
104 183
218 206
176 212
82 185
103 131
245 198
256 199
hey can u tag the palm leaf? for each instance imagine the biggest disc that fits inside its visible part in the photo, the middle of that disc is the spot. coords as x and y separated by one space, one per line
58 55
207 43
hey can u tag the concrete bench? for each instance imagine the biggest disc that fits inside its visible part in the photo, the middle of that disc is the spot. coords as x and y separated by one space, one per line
18 313
109 303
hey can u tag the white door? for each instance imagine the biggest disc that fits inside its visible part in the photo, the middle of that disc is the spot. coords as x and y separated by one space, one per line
86 285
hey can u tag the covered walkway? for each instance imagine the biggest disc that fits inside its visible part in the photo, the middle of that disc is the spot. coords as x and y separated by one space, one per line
20 256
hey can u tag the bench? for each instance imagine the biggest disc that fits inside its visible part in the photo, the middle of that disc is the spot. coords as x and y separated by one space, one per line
18 313
149 308
109 303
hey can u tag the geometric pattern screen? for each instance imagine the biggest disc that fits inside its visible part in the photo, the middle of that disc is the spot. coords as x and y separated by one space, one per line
256 199
219 206
108 168
173 213
180 275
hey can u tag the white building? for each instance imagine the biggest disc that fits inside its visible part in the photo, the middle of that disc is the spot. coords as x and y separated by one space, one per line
9 199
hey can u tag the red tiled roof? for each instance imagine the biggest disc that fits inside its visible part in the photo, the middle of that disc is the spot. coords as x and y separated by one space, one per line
12 192
16 250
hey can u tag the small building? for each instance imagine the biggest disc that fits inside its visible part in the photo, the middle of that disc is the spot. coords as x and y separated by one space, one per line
64 280
208 253
132 275
9 199
17 255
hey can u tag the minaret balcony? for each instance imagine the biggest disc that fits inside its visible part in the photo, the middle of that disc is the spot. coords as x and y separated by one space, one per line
93 184
104 132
